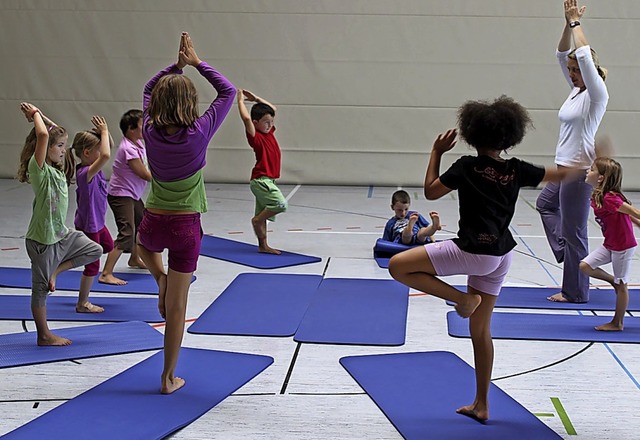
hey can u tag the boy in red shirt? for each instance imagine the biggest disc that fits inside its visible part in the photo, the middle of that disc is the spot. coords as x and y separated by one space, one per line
259 129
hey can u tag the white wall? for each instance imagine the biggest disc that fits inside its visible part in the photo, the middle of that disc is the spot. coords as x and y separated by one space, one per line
362 87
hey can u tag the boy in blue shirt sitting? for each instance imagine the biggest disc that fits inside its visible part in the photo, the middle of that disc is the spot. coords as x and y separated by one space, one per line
409 227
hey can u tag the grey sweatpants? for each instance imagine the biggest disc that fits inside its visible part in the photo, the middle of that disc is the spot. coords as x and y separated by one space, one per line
45 259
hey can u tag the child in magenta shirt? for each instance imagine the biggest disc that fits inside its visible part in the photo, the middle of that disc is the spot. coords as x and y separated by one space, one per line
615 215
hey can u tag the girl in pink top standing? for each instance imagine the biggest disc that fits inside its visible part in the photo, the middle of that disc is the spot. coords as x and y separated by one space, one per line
615 215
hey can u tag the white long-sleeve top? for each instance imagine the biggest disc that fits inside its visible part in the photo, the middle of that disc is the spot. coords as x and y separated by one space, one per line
581 113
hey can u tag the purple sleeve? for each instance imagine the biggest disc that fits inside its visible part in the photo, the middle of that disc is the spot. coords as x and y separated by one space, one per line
211 120
148 88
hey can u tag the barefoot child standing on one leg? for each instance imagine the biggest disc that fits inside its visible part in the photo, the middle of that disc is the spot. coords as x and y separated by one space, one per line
177 137
92 148
259 129
614 214
488 187
51 246
129 178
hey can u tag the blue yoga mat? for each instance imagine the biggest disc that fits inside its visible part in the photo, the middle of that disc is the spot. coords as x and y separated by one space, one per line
536 298
130 406
549 327
356 312
248 255
259 304
20 349
63 308
420 392
140 283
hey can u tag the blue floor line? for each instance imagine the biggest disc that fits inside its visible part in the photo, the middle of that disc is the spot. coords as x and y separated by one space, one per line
617 359
370 194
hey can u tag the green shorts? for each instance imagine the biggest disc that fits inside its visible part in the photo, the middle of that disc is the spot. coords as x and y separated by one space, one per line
268 196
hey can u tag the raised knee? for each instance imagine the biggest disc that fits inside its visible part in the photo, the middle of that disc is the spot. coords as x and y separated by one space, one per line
584 267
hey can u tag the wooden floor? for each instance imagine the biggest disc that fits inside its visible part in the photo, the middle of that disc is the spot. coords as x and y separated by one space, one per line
310 396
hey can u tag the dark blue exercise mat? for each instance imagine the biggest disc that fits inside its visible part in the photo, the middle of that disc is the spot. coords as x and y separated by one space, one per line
248 255
549 327
140 283
259 304
420 392
383 250
536 298
18 349
356 312
63 308
130 406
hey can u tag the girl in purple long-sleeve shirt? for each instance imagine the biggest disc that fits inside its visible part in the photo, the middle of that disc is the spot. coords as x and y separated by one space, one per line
176 139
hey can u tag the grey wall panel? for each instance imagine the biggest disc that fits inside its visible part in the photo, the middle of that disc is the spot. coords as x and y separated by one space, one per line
362 86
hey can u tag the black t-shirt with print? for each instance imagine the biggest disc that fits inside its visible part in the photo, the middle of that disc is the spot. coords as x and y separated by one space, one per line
488 191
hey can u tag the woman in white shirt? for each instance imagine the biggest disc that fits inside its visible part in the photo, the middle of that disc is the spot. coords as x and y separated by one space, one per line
564 206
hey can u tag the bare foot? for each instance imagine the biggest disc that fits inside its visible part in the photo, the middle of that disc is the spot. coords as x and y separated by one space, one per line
169 386
136 263
88 308
53 340
52 282
610 327
162 293
558 297
467 308
268 250
481 415
110 279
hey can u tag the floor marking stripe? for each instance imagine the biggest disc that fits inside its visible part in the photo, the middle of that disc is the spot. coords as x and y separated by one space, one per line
563 416
293 191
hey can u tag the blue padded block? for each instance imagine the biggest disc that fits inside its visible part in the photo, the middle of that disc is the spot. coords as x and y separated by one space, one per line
63 308
20 349
420 392
259 304
356 312
130 406
139 283
248 255
549 327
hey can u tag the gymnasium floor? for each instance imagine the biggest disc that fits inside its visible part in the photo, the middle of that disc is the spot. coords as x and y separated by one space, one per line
309 395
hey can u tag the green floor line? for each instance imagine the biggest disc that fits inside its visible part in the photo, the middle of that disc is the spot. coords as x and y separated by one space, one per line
544 414
563 416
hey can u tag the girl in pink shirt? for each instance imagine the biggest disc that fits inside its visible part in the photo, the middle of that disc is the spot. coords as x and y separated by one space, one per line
615 216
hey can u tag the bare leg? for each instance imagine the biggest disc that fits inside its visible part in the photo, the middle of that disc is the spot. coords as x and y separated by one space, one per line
622 301
259 223
414 269
135 260
66 265
176 306
153 262
622 297
83 305
45 336
107 276
480 329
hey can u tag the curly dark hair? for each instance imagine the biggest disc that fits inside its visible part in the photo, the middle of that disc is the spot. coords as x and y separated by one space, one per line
497 125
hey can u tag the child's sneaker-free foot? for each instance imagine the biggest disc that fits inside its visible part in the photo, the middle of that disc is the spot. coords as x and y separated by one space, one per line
467 308
88 308
110 279
610 327
170 386
53 340
475 413
136 263
268 250
558 297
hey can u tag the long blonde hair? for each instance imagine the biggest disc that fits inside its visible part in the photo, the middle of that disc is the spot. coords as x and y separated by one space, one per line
611 171
55 133
174 101
83 140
